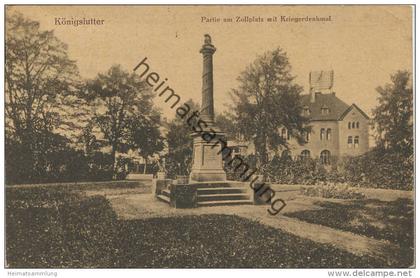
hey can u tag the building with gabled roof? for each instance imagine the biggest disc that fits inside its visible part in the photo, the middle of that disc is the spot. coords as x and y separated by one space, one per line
338 129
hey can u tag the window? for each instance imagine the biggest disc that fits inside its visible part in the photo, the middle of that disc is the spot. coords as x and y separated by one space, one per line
325 157
349 125
356 141
305 154
349 142
357 124
353 125
325 110
283 133
328 134
322 134
306 111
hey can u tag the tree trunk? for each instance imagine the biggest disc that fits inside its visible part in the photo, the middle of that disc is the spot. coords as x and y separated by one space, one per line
145 165
114 162
261 152
28 164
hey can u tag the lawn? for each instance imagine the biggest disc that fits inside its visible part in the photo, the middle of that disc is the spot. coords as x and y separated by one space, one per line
392 221
59 228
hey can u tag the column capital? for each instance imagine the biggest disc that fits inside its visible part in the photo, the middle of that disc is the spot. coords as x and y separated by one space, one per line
208 47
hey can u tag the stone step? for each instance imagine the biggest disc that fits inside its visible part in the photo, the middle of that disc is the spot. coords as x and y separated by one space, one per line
224 203
223 197
166 192
221 190
164 198
225 184
141 177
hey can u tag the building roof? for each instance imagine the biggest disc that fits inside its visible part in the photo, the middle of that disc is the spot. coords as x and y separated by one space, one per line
336 107
350 108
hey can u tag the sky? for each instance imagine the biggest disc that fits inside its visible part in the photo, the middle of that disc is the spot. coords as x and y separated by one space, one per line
364 45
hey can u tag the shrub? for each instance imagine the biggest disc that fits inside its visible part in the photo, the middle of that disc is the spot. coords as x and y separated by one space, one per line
331 190
301 171
380 168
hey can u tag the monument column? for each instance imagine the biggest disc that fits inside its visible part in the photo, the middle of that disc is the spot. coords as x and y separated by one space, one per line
207 157
207 108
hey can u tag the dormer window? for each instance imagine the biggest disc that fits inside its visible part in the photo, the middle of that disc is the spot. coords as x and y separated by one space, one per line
325 110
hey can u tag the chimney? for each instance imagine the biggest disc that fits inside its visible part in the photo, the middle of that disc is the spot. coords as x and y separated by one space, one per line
312 95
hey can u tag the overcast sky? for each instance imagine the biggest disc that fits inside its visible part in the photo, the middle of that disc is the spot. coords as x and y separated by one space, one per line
363 45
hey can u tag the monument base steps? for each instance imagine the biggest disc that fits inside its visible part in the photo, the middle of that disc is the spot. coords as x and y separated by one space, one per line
215 194
227 194
165 196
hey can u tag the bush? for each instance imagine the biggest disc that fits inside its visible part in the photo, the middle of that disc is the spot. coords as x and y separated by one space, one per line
59 164
334 191
380 168
284 170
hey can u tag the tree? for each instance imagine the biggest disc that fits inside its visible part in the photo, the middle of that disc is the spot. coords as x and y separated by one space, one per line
119 99
393 117
39 76
146 137
180 144
267 100
225 123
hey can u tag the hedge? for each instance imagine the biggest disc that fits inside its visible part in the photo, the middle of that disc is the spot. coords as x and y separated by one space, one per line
377 168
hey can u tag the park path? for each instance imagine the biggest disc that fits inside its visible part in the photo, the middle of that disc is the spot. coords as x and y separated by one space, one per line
143 206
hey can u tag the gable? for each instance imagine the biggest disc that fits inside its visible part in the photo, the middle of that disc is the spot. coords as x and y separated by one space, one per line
354 107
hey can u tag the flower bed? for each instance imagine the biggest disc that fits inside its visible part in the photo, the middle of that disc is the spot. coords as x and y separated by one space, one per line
331 190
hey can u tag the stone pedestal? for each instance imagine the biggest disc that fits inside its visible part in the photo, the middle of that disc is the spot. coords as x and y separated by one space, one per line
183 196
207 160
160 184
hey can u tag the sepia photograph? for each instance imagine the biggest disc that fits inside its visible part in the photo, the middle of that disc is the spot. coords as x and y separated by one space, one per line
209 136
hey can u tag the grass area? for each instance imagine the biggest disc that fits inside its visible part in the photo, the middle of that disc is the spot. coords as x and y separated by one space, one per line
61 228
392 221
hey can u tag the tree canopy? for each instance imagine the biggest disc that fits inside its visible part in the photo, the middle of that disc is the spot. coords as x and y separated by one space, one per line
393 117
40 81
123 110
266 100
